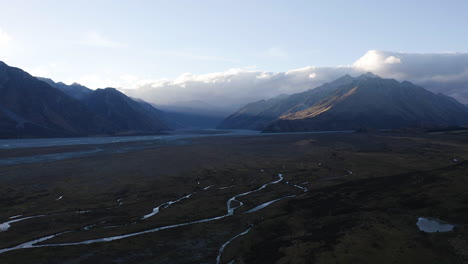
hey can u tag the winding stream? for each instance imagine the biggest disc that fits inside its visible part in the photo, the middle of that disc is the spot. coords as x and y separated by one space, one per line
5 226
221 250
230 212
301 187
231 209
166 205
263 205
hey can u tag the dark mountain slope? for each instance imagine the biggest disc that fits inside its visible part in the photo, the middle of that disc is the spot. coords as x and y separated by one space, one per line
348 103
153 116
74 90
125 115
375 103
193 114
32 108
259 114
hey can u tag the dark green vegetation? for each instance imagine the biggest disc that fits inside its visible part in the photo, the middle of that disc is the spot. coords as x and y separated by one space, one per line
368 216
348 103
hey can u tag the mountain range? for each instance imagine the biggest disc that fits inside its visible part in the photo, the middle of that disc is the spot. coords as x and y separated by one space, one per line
351 103
193 114
32 107
38 107
74 90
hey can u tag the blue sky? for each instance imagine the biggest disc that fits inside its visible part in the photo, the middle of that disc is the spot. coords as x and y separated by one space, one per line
118 43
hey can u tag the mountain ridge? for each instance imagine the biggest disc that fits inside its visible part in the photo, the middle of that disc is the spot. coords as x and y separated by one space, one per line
32 107
125 114
39 109
74 90
351 103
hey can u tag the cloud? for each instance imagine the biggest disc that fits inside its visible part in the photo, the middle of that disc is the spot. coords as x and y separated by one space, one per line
439 72
129 78
392 60
232 88
104 80
43 70
5 41
95 39
5 38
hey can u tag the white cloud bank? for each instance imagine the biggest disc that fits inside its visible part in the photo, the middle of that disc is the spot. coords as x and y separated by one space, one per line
439 72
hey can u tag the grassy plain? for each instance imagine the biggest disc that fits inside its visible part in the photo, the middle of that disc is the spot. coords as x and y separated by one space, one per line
368 216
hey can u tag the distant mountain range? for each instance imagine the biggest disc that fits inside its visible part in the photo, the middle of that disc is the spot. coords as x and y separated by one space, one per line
38 107
348 103
193 114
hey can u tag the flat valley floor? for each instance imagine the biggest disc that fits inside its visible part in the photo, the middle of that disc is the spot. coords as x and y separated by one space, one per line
305 198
